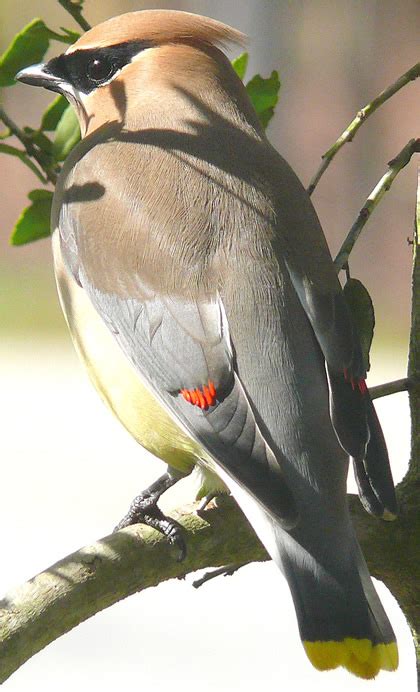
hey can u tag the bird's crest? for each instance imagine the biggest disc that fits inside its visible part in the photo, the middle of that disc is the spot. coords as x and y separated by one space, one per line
158 27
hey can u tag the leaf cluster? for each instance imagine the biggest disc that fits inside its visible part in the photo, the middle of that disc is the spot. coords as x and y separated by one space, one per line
45 147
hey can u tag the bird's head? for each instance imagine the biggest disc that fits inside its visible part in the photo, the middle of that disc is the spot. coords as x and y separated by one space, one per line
135 62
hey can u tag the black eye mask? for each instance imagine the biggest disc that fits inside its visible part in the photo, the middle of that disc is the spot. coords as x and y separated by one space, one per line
93 67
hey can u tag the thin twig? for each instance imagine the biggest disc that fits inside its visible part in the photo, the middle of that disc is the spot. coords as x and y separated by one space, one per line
30 149
226 571
390 388
347 270
363 114
75 9
401 160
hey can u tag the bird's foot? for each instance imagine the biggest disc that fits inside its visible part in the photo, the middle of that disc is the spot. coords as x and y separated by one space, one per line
144 510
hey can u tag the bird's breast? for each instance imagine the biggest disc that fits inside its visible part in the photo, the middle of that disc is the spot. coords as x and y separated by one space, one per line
115 378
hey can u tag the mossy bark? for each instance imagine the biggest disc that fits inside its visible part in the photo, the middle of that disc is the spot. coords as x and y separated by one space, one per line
410 488
392 552
95 577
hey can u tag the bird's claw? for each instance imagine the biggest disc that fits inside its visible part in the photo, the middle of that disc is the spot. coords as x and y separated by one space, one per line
176 539
144 510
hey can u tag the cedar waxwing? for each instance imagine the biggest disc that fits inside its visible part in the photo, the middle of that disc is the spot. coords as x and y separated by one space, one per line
201 296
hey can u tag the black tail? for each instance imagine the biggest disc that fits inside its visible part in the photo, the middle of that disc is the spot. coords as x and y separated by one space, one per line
341 619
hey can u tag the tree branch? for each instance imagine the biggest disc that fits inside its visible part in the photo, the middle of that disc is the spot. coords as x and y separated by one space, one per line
414 349
411 483
351 130
226 571
391 388
395 166
97 576
75 9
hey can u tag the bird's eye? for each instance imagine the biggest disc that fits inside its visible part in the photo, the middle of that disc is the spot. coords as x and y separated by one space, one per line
100 70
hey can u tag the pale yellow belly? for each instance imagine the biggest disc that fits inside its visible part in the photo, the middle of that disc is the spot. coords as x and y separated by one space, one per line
116 380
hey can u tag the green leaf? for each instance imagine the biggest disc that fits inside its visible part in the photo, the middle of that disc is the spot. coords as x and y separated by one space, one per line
41 140
361 308
22 155
68 37
34 222
67 134
265 117
240 64
36 195
264 94
71 36
28 47
53 114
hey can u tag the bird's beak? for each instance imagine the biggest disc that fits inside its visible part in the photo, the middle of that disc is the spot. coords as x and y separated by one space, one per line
39 75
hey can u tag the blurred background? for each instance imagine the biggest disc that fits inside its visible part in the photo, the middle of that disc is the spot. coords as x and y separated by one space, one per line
70 470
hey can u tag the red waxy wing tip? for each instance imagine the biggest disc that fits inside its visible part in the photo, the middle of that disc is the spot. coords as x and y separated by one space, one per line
204 398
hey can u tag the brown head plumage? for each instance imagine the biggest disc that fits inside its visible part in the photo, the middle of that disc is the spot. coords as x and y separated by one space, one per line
130 66
159 26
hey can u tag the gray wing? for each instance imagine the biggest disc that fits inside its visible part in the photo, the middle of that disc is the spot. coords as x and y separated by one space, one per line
182 351
302 245
180 347
331 321
311 269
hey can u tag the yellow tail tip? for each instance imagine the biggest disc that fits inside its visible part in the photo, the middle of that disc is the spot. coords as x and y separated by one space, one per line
359 656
